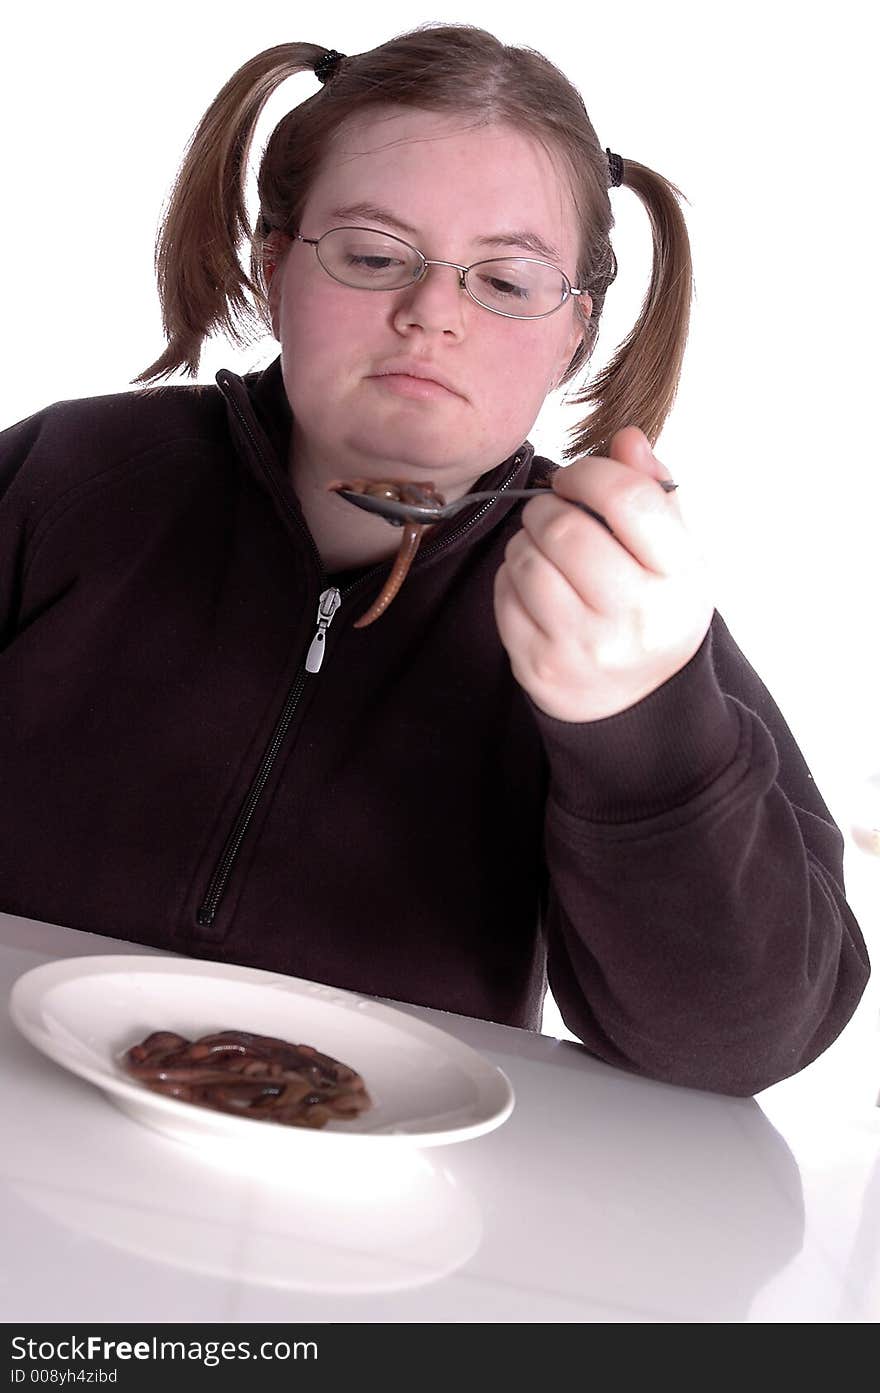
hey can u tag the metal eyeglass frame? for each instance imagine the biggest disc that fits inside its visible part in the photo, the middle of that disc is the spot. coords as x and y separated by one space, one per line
430 261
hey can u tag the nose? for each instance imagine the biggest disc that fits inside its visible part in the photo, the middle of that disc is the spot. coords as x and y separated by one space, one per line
436 303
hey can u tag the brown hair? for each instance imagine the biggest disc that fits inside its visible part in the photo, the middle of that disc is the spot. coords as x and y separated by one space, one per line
441 68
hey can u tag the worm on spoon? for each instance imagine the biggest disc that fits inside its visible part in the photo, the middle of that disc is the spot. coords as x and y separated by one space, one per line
403 492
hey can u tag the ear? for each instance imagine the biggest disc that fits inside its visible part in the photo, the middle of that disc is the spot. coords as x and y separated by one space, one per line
274 254
582 311
274 279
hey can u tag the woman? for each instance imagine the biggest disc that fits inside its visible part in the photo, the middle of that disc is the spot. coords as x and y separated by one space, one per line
546 757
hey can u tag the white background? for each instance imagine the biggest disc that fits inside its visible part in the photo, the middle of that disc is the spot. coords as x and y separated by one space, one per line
760 113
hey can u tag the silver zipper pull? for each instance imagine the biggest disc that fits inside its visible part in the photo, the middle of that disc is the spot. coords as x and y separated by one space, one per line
327 607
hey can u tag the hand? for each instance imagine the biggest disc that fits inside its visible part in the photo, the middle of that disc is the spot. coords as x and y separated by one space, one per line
592 622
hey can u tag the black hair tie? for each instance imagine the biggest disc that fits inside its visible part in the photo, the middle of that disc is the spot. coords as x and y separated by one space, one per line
615 169
326 66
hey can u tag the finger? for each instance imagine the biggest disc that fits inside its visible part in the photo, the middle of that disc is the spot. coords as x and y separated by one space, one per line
518 631
644 519
631 446
542 589
542 665
601 572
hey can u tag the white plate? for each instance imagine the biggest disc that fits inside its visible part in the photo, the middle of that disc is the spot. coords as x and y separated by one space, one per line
428 1088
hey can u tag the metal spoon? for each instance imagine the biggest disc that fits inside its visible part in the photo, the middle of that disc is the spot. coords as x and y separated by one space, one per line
399 513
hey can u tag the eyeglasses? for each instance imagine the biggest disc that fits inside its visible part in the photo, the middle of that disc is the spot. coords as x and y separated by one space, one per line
518 287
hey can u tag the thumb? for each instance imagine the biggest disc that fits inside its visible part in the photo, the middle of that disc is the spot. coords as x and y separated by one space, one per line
631 446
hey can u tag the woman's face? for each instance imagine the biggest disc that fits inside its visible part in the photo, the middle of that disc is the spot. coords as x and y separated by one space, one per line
446 188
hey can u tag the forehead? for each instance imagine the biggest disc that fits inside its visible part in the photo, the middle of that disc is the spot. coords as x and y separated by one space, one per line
449 173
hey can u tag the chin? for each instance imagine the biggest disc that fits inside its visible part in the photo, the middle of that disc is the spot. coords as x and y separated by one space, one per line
398 454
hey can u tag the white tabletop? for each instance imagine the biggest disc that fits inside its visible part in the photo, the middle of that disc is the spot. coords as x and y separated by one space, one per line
603 1198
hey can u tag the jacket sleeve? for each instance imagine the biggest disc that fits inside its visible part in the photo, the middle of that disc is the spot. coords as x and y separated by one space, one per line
696 920
44 459
17 495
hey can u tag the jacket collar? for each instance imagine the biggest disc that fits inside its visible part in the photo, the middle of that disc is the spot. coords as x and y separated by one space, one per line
261 421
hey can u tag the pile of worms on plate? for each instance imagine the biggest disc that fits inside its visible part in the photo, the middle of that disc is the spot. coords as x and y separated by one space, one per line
256 1076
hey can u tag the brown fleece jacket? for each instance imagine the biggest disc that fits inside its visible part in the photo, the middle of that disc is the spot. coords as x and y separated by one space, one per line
403 822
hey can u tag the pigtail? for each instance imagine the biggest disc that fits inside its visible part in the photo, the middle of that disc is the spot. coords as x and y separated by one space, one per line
639 384
202 284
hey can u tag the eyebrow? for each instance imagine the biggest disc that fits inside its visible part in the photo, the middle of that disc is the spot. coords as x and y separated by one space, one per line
519 237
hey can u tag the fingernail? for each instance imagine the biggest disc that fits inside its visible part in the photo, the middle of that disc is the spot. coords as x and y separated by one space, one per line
666 484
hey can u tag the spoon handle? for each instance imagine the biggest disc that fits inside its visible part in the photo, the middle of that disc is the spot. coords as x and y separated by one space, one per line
530 493
666 484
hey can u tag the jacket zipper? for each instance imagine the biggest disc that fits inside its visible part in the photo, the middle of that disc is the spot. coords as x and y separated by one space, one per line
328 605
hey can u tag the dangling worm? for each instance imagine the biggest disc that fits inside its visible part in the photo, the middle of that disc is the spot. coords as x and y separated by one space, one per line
402 492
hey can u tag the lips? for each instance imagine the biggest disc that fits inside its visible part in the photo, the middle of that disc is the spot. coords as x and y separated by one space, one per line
426 372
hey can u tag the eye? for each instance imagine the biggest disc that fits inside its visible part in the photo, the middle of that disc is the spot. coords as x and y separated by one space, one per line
507 288
372 263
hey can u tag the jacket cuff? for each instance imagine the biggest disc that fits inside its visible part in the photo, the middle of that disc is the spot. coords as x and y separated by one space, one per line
655 756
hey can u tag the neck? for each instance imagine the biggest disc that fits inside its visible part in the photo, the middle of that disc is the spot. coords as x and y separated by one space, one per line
344 535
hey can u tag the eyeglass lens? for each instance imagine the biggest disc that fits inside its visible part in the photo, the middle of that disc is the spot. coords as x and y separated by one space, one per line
369 260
